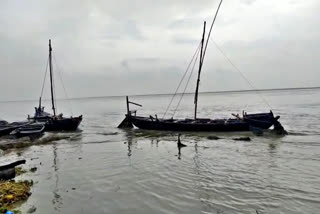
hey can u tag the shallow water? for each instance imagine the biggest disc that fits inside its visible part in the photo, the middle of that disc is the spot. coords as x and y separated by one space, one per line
102 169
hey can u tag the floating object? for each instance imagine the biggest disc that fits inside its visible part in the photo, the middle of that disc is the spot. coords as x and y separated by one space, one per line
242 139
54 122
214 138
259 120
32 209
8 171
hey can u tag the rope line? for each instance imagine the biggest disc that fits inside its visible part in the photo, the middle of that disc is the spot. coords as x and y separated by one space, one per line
185 73
45 76
54 91
197 53
242 75
60 76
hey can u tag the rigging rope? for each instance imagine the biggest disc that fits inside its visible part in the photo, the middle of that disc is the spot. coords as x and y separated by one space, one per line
197 53
185 73
44 79
242 75
60 76
54 92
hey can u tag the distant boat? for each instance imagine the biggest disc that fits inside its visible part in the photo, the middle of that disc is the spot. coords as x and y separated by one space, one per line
247 122
53 121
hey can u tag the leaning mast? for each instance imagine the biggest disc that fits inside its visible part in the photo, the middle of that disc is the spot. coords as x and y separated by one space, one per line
200 67
51 78
202 55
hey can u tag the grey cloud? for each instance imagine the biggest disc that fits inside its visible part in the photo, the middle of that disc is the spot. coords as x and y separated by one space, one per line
142 44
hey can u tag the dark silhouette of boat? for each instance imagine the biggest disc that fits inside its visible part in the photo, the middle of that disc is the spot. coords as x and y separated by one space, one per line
31 130
258 121
54 122
7 128
3 122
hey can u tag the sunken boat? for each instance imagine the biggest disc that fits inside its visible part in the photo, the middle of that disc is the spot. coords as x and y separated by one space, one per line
54 121
246 122
30 130
6 128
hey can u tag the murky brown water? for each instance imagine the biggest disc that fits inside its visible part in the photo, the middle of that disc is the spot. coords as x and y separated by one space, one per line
102 169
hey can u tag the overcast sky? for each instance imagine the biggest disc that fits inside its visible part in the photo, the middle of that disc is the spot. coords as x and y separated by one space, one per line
124 47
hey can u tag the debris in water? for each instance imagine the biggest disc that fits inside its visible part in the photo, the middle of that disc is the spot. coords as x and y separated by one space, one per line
33 169
20 171
214 138
32 209
242 139
12 192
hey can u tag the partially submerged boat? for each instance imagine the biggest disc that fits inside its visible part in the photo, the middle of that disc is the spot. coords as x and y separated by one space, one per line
54 122
31 130
246 122
7 128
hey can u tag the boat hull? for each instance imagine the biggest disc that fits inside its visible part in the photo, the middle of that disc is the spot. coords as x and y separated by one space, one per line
231 125
264 121
7 129
32 130
60 124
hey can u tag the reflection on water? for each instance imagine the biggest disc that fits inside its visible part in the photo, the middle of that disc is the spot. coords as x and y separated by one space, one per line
103 169
57 200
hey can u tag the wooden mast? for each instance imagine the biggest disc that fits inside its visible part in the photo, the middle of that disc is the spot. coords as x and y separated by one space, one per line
202 55
200 67
51 78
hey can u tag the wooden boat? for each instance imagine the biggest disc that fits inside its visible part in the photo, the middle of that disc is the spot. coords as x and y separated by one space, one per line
54 122
260 121
245 123
32 130
9 127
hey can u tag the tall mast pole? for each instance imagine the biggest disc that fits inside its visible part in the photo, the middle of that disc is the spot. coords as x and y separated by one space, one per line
202 55
51 78
200 67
